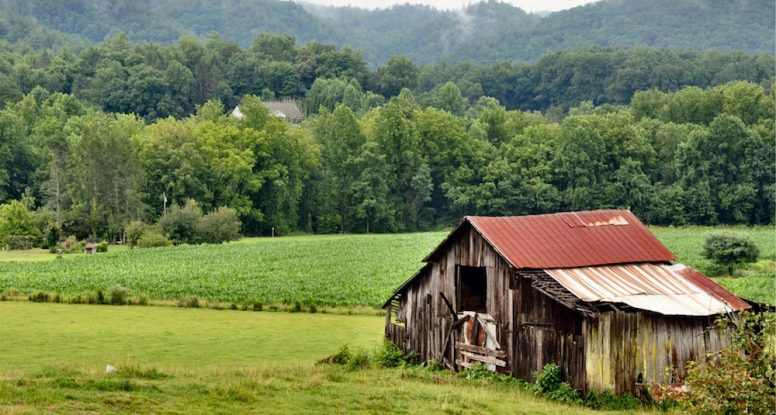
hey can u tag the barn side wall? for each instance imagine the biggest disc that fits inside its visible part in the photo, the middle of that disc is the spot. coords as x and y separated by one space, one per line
619 346
532 328
546 332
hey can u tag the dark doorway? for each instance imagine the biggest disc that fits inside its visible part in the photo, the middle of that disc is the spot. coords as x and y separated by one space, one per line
472 289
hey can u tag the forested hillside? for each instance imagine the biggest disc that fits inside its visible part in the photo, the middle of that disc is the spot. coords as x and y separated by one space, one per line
483 32
155 81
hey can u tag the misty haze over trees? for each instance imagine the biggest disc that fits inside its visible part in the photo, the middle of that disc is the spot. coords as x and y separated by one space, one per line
483 32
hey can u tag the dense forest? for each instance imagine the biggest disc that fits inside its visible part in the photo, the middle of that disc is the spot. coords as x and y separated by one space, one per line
483 32
156 81
703 156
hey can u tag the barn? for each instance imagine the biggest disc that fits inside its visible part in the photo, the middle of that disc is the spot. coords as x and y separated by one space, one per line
594 292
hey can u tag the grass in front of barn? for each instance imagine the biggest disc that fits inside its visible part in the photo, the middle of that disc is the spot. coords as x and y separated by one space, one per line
207 361
326 270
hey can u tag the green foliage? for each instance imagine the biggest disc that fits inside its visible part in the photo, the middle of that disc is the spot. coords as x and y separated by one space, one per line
134 231
102 246
741 377
179 222
153 239
17 226
548 379
606 400
389 355
221 225
118 295
730 250
191 302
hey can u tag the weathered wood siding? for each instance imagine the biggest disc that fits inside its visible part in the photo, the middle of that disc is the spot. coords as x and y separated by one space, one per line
546 332
621 345
603 353
533 329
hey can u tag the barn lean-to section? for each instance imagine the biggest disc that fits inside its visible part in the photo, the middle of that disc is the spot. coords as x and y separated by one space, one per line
554 291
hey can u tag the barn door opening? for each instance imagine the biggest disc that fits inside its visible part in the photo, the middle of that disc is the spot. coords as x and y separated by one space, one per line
472 289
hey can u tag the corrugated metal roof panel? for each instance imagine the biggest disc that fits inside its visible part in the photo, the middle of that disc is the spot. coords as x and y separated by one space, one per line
664 289
571 239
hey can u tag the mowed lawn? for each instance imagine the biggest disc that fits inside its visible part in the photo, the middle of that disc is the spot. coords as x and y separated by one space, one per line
326 270
174 360
33 336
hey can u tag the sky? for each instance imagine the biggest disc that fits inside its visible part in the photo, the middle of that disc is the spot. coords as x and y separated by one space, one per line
527 5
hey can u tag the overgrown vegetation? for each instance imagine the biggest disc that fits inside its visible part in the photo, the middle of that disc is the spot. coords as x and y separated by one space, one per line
730 251
741 378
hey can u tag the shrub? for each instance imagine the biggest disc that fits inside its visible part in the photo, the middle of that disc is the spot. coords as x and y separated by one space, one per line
350 360
39 297
740 378
118 295
153 239
18 229
297 307
99 296
221 225
258 307
102 246
549 383
730 251
313 309
20 241
179 223
134 231
71 245
609 401
391 356
548 379
341 357
52 238
191 301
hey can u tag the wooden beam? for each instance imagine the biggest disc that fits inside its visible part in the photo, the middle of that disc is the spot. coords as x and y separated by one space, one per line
491 360
449 306
464 364
481 350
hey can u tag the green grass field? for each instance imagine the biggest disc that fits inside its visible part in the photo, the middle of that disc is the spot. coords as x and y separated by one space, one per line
208 361
333 270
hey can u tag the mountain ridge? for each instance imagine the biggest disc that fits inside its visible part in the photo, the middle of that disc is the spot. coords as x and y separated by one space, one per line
483 32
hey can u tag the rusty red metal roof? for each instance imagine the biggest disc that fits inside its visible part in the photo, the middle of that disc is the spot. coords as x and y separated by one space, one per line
708 285
571 239
665 289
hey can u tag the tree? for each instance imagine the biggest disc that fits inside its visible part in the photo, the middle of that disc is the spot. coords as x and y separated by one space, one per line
449 99
179 222
730 251
17 226
341 140
398 73
221 225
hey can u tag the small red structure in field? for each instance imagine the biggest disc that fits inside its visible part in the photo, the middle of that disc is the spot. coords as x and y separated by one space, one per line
90 249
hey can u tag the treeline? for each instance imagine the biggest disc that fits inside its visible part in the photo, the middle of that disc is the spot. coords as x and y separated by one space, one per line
690 157
156 81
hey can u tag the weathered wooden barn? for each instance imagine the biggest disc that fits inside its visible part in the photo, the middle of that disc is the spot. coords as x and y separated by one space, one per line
594 292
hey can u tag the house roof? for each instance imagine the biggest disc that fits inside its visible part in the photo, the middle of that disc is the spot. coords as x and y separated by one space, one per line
287 109
569 239
665 289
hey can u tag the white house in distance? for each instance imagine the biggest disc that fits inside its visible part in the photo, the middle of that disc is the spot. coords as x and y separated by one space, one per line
287 109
